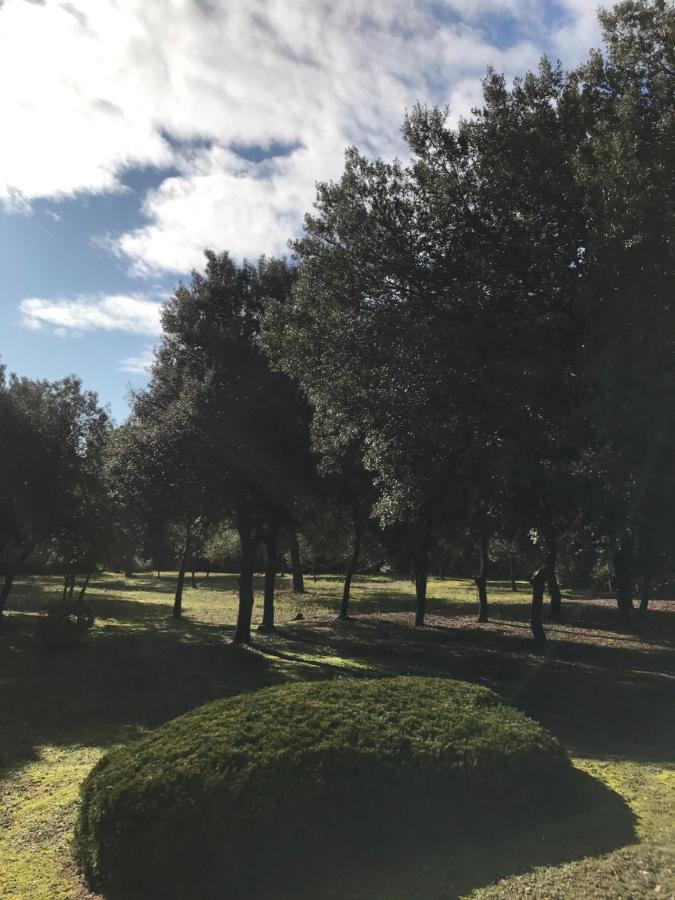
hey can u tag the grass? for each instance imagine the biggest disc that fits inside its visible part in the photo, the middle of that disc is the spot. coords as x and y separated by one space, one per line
606 693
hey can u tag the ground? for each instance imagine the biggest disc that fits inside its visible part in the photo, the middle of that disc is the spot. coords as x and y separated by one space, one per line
608 693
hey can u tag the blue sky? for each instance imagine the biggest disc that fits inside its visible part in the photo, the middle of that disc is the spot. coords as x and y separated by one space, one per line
137 134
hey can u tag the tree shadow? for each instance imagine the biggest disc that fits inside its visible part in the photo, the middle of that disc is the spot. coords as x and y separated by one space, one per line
620 702
126 678
480 841
140 668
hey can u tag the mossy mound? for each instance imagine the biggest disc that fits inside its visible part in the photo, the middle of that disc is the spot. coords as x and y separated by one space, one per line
271 792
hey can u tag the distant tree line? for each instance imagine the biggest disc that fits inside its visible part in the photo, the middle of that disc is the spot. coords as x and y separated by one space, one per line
470 349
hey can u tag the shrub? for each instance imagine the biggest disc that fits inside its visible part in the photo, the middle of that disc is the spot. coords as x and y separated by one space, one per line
64 626
271 791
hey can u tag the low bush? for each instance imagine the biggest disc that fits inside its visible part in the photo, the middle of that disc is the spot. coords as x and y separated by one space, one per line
269 793
64 626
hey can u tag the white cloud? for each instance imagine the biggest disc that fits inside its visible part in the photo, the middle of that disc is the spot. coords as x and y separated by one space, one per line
121 83
73 316
138 365
581 33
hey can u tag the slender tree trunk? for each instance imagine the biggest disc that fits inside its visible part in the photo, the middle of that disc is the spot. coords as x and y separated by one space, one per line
353 562
421 570
247 542
66 582
512 576
553 586
185 555
538 585
71 587
271 565
11 574
83 589
296 565
645 592
192 579
623 576
646 562
481 578
5 591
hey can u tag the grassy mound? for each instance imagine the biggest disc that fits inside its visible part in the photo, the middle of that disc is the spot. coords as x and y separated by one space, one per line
274 791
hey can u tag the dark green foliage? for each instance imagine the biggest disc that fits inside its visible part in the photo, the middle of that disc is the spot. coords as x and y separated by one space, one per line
270 790
64 626
51 438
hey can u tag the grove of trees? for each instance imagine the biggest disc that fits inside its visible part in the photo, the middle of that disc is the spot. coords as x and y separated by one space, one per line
472 347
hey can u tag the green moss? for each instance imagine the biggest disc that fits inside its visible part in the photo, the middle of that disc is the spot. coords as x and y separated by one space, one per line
264 787
39 805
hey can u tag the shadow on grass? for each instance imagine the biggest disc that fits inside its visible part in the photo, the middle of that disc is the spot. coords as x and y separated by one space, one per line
126 678
140 669
598 701
449 856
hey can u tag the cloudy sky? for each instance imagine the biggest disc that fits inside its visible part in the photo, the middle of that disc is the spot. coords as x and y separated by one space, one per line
136 133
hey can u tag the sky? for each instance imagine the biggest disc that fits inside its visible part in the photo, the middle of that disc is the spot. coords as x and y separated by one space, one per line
136 134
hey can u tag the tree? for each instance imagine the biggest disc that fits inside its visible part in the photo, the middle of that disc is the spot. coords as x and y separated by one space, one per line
296 562
248 424
436 313
157 467
51 438
370 336
629 176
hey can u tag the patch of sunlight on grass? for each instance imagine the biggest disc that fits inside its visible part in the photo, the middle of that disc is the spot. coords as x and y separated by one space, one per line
648 788
38 804
340 662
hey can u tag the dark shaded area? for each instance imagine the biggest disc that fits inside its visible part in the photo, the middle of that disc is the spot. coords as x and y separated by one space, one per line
602 688
444 860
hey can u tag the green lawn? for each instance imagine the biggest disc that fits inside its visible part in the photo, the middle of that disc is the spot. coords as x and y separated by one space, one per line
608 694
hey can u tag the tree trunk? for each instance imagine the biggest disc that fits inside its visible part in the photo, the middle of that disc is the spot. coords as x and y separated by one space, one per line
538 585
271 565
83 589
645 592
353 562
11 575
185 555
247 543
6 588
192 579
481 578
553 586
646 561
71 587
296 565
421 569
514 586
623 576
